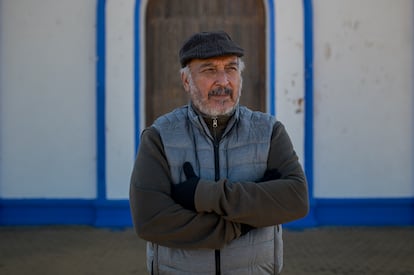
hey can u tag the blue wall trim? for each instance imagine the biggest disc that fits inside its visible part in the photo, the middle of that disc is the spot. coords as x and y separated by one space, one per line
272 56
137 70
100 101
367 212
308 78
65 212
112 213
45 212
116 213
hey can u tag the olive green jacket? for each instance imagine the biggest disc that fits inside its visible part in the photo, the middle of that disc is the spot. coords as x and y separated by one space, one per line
158 219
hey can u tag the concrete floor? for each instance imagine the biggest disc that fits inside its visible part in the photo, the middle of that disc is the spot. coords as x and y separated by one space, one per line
86 250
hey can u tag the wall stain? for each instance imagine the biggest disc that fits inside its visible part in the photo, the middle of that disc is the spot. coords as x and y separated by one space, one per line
299 107
328 51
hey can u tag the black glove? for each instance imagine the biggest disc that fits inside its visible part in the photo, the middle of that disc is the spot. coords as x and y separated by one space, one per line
245 228
183 193
272 174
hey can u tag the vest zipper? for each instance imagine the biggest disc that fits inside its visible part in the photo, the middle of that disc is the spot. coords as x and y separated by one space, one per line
217 257
217 177
215 123
216 151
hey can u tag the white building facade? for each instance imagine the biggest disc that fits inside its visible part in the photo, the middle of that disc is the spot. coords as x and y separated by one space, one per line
71 108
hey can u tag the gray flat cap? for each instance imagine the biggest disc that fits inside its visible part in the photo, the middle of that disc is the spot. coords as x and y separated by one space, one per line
208 44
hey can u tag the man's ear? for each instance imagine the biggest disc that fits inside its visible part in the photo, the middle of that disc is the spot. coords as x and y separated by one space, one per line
185 81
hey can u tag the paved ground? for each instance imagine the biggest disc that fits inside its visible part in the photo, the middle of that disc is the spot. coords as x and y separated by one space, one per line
86 250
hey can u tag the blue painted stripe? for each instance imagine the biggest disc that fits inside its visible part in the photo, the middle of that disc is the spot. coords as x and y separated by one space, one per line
100 101
272 56
47 212
308 56
328 212
108 213
137 71
367 212
113 213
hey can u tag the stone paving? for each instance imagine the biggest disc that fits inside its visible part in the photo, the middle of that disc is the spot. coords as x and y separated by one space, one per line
86 250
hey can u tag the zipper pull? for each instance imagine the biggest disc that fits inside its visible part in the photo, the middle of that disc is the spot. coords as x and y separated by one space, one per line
215 122
215 125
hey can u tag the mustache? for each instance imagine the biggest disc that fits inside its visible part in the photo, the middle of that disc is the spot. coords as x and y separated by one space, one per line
220 91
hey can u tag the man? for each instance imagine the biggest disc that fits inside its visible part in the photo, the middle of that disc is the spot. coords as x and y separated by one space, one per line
213 181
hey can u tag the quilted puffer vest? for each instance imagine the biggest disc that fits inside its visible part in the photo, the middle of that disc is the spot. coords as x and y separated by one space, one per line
242 156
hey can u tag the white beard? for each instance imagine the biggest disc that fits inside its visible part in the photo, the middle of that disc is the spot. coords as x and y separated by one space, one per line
198 102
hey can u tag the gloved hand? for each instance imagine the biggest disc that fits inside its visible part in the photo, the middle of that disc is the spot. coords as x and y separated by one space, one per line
183 193
245 228
272 174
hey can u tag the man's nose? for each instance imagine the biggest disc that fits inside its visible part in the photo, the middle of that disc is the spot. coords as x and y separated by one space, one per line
222 78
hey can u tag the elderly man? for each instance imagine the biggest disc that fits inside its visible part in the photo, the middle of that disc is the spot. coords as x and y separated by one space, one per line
213 181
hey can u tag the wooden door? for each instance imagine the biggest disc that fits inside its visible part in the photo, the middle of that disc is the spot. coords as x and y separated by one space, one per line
170 22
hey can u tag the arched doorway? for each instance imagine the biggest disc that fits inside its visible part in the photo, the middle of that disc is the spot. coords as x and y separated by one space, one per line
169 23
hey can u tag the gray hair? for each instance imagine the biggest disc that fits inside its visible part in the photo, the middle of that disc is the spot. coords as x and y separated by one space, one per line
186 69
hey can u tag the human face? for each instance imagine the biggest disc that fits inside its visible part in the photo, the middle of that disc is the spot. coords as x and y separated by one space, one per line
214 84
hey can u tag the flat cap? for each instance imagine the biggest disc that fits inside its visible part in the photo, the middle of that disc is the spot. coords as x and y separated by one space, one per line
204 45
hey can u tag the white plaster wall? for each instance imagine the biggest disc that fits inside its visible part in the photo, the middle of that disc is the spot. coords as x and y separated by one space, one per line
362 84
120 132
47 99
363 98
289 62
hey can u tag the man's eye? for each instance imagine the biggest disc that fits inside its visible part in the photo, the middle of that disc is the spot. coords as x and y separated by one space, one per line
210 70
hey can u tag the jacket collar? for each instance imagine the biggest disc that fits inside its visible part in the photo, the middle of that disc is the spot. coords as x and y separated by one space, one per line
198 120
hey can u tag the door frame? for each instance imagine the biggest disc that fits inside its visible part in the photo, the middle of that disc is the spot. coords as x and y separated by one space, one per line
139 74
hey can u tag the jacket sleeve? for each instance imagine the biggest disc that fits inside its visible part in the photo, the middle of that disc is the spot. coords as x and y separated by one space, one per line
263 203
157 218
